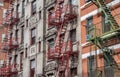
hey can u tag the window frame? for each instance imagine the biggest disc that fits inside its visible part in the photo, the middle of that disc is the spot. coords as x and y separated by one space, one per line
73 35
23 8
105 25
89 24
91 66
22 34
51 43
21 60
33 36
32 70
86 1
34 7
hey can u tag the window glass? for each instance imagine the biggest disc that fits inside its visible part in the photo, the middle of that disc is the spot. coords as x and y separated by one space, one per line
88 0
18 10
33 36
73 2
32 64
91 66
89 25
105 25
51 43
23 8
73 35
34 7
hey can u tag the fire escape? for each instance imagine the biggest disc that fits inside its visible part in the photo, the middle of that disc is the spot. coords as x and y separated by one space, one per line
101 40
64 12
9 43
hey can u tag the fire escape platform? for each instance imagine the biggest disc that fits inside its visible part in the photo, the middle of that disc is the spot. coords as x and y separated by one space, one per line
107 35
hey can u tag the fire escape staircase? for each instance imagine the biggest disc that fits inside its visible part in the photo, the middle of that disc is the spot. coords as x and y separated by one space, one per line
63 45
100 40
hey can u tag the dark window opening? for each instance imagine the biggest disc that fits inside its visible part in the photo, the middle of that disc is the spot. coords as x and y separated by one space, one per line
74 72
10 59
89 26
32 68
73 35
50 75
27 23
91 67
39 14
109 72
62 74
51 43
33 7
105 25
26 52
33 36
16 34
21 60
39 47
11 38
23 8
87 1
22 34
15 59
18 11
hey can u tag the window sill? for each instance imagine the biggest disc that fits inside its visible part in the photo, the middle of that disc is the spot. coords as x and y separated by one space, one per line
86 5
50 27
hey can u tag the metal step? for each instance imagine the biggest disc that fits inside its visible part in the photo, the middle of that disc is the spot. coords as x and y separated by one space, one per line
107 12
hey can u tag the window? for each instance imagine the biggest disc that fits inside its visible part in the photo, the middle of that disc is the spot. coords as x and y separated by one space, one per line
32 68
62 74
39 47
27 23
51 43
22 34
10 59
89 25
21 60
39 14
108 69
74 72
33 36
15 59
73 35
91 66
33 7
26 52
51 75
23 8
16 35
105 25
87 1
73 2
11 37
18 11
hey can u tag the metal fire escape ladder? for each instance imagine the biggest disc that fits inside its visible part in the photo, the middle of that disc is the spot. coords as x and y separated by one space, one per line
107 13
64 29
100 40
108 55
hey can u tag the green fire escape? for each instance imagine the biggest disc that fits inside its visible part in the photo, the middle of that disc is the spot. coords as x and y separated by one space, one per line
100 40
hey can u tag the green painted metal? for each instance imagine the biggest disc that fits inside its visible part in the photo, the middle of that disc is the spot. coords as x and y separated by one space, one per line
99 40
100 74
107 13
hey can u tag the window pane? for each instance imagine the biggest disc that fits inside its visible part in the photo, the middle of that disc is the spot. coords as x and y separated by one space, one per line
73 35
34 7
32 64
51 43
